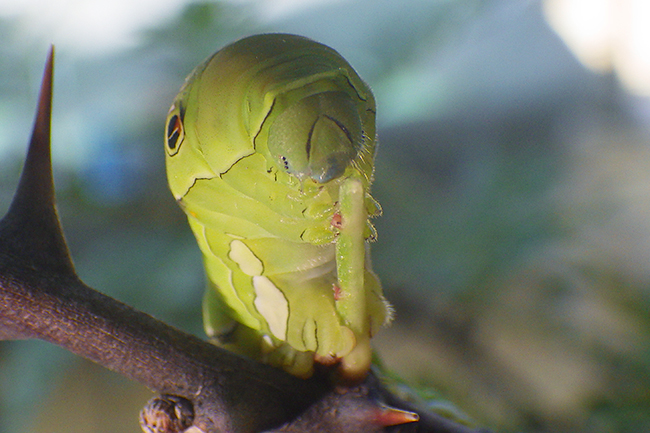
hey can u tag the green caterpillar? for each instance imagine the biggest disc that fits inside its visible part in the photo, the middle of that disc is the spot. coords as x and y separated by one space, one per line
270 150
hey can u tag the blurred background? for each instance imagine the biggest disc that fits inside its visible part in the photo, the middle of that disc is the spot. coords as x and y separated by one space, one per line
514 172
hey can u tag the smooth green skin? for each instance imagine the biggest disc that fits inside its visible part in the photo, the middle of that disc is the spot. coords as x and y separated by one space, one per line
270 150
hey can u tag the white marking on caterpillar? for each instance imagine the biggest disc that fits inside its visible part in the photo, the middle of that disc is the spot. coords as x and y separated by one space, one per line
245 258
266 339
272 305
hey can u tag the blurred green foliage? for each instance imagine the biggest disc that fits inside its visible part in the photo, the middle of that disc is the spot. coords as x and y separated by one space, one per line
515 240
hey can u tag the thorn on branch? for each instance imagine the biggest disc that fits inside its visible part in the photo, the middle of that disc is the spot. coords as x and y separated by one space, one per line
31 230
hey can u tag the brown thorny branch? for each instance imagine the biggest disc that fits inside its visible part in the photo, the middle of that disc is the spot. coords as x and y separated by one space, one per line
201 385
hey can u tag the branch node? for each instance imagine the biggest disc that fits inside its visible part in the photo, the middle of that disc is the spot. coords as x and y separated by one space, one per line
167 414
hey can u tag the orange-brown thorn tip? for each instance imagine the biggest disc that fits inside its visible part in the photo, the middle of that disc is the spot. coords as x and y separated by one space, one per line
386 416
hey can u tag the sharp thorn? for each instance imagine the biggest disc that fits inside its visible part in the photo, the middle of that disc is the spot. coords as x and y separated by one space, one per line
388 416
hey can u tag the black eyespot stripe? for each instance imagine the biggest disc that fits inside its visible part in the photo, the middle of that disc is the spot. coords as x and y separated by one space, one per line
309 136
174 130
342 127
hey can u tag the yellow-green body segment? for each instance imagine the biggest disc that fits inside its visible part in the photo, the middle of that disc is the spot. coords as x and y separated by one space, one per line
270 152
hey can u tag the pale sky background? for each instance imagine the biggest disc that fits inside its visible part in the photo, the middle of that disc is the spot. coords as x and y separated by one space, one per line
603 34
98 26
